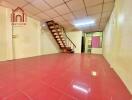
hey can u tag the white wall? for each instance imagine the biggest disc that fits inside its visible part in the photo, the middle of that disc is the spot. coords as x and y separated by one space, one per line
30 40
117 45
5 34
27 41
76 37
48 43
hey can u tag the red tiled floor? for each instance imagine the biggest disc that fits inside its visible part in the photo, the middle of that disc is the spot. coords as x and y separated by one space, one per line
61 77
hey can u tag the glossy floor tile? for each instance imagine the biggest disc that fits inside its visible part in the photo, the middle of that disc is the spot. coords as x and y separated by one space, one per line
61 77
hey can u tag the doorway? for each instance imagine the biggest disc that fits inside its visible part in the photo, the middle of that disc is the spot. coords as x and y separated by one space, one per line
93 43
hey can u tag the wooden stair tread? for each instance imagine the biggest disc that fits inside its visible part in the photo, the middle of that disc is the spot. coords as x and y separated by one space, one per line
56 31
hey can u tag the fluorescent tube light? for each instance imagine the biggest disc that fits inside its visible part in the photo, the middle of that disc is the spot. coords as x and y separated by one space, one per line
85 23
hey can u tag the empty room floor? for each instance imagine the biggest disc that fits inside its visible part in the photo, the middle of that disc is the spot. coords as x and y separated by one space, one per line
61 77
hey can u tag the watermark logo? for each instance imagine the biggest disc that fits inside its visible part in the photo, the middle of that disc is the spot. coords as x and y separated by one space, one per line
18 17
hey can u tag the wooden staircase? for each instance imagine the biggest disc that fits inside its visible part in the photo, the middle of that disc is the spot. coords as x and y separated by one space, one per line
59 34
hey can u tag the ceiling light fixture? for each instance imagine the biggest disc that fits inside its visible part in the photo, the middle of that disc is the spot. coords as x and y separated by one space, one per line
85 23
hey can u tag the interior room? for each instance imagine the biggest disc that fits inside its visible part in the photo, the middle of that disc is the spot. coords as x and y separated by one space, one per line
65 50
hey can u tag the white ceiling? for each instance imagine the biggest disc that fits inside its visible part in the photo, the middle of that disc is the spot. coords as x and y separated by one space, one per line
66 12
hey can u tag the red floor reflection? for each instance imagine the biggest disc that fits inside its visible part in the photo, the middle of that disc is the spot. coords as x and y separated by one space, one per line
61 77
